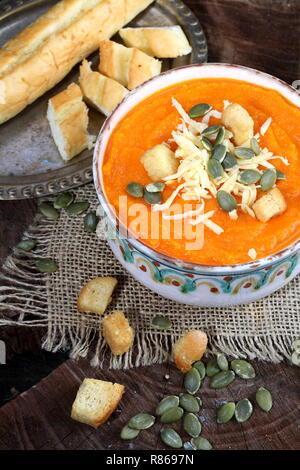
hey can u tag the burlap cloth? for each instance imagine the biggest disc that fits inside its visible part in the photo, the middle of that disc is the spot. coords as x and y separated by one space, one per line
263 330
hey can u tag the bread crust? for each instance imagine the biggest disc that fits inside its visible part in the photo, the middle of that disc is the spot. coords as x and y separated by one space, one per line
117 332
101 92
128 66
56 56
270 205
96 294
161 42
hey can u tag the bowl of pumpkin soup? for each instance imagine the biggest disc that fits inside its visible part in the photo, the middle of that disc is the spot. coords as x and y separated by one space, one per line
198 173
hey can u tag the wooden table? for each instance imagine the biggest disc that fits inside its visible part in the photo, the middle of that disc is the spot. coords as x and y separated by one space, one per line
258 33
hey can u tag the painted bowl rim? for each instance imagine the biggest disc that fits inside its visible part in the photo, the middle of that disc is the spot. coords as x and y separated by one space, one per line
240 268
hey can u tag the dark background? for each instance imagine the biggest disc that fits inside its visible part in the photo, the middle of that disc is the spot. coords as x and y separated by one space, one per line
264 34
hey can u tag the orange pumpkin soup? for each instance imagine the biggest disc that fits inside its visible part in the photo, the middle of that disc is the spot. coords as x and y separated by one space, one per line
152 122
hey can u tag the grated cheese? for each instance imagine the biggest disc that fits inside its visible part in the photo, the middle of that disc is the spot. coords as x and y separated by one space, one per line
265 126
212 113
252 253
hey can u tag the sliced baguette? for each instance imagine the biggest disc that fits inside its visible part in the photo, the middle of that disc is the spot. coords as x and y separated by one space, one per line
161 42
53 59
68 118
95 401
101 92
129 66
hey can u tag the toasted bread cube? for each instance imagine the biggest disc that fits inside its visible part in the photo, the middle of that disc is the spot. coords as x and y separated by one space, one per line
189 348
161 42
117 332
270 205
68 118
96 295
101 92
159 162
95 401
239 122
128 66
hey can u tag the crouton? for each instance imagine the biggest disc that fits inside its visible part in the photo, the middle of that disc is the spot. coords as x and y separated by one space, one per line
95 401
128 66
96 295
117 332
101 92
270 205
68 118
189 348
239 122
161 42
159 162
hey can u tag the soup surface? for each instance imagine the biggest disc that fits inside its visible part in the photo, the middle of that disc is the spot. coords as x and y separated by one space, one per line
152 121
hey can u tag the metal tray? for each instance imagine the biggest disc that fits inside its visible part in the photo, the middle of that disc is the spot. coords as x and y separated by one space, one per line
30 165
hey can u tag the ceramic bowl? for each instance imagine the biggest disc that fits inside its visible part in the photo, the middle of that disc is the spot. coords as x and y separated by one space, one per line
191 283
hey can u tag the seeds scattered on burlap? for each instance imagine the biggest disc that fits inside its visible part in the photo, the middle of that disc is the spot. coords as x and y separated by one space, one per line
90 222
77 208
161 323
141 421
171 438
63 200
166 403
243 369
46 265
243 410
192 381
48 210
192 425
27 245
264 399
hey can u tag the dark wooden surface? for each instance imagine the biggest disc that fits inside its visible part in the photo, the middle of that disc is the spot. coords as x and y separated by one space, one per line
264 34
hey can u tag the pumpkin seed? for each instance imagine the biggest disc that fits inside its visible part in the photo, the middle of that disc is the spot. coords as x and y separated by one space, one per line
166 403
200 443
207 144
280 175
212 368
226 201
225 412
135 189
296 358
192 381
63 200
222 362
243 410
229 161
27 245
255 146
129 433
77 208
161 323
190 403
199 110
244 153
90 222
46 265
171 438
268 179
249 177
211 130
152 198
296 345
172 415
188 446
200 368
219 152
48 211
214 168
222 379
155 187
192 425
141 421
243 369
220 136
264 399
